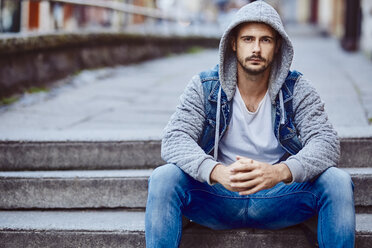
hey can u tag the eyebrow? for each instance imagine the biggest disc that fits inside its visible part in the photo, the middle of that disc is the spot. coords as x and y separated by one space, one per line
250 36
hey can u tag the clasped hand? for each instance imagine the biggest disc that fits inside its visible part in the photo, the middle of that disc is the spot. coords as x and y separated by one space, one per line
248 176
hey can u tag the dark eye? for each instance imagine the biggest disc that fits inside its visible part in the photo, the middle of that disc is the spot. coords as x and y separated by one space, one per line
248 39
266 40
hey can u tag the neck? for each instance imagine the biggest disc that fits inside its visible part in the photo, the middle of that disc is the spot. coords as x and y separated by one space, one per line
253 86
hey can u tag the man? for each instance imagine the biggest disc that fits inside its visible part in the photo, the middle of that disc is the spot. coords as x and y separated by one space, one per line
273 148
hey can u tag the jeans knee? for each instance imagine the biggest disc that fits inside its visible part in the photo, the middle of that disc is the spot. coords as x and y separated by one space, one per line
340 178
165 179
337 183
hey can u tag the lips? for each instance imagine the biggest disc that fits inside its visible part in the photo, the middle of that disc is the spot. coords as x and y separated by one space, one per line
255 59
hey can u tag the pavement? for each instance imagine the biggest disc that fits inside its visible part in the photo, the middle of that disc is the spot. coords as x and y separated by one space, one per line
135 102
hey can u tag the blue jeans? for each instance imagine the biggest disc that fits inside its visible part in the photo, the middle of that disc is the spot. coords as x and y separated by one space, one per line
173 193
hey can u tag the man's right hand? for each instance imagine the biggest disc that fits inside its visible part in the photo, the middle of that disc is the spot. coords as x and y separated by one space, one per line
221 174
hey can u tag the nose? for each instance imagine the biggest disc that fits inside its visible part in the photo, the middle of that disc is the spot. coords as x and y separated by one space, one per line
257 47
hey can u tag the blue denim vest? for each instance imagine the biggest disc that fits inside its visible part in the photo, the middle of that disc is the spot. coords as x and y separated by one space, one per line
284 129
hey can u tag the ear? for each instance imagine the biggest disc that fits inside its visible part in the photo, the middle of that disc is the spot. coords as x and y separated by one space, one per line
233 43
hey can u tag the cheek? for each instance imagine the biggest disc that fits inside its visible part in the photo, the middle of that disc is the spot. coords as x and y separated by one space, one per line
242 52
244 48
270 53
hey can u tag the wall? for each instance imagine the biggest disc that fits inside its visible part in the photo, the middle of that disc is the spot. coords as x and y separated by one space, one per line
27 61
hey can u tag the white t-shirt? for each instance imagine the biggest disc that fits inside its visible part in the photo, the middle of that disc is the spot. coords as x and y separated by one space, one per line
250 134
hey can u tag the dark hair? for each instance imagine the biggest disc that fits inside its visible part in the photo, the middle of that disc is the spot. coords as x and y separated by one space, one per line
234 32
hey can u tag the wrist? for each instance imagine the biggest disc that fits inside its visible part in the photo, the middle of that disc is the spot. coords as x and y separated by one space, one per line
284 173
215 173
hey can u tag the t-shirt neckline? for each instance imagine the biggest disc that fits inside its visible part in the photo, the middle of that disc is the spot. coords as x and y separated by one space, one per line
242 103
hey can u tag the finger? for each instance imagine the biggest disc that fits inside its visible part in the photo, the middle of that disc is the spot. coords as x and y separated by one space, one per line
234 189
245 184
247 161
237 167
237 189
243 176
251 191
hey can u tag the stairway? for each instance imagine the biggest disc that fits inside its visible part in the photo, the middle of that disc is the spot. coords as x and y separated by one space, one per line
93 194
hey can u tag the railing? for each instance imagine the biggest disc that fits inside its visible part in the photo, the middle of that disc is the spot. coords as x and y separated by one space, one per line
50 15
125 8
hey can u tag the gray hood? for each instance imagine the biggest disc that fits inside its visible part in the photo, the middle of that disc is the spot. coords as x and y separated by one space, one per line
258 11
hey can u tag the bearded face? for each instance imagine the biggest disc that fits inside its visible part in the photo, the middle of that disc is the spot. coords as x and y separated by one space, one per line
255 46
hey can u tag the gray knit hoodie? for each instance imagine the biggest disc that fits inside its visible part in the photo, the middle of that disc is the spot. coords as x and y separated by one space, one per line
320 143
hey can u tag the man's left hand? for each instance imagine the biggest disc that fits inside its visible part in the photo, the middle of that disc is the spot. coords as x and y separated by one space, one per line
250 176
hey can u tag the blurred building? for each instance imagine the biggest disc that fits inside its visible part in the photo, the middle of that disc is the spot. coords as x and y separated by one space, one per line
53 15
197 11
348 20
366 29
10 15
49 15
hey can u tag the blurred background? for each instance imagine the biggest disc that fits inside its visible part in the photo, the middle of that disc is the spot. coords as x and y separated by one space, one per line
348 20
115 52
87 87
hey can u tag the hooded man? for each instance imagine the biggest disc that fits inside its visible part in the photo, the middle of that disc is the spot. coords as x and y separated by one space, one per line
250 145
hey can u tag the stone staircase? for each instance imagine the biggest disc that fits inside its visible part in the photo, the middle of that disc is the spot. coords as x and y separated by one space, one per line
93 194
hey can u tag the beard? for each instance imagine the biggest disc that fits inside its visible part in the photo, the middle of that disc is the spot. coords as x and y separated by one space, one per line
256 71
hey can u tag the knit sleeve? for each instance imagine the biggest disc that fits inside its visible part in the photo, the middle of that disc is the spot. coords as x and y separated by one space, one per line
321 145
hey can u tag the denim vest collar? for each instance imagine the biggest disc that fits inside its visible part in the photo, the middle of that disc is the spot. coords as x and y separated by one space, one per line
213 96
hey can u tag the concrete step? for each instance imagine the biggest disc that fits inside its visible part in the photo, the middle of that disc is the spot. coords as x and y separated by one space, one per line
74 189
109 189
356 152
121 228
140 154
79 155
